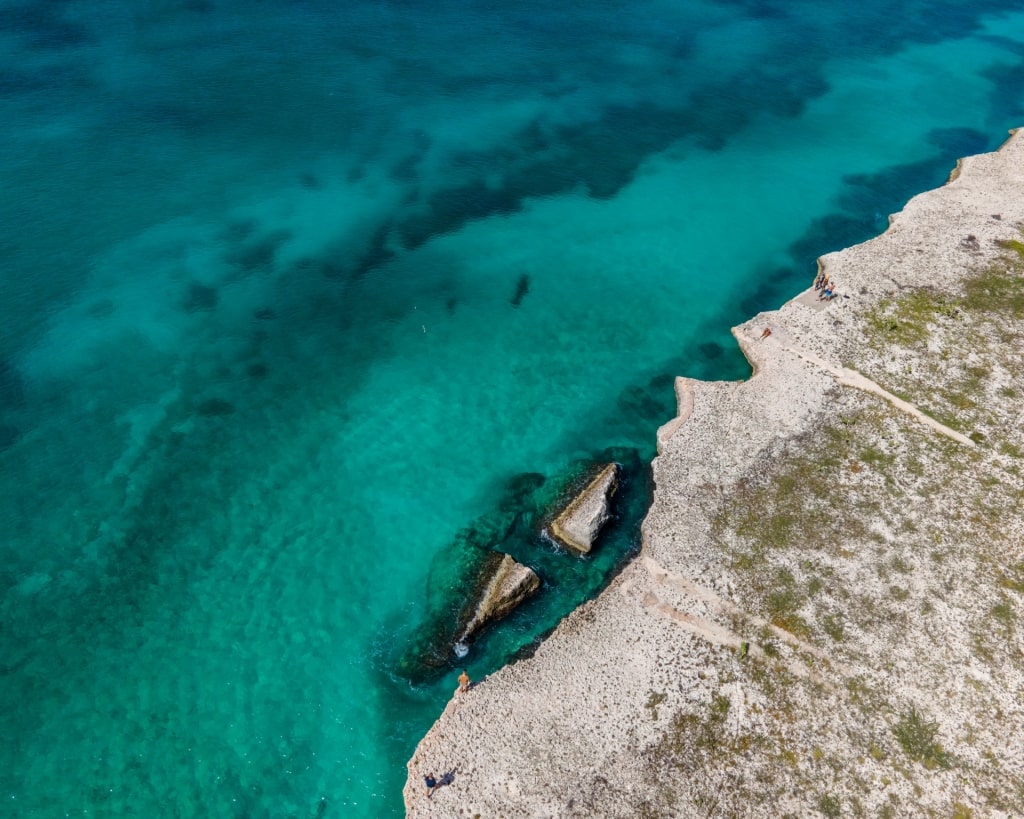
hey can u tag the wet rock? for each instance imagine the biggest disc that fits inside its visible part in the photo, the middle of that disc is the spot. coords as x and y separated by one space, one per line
504 584
579 522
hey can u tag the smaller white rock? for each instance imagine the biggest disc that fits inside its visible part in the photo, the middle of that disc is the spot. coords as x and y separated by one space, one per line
578 525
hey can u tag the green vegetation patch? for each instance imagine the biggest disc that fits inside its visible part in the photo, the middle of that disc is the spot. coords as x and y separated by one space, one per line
783 603
997 290
1012 577
917 736
905 321
796 507
1014 248
653 701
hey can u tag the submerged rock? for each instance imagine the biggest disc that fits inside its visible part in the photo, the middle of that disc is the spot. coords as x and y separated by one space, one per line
578 524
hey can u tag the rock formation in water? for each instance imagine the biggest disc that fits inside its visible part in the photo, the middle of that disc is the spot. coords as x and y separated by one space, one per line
827 613
577 525
463 574
504 585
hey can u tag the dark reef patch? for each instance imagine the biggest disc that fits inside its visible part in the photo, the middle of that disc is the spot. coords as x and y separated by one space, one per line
215 407
8 436
16 81
257 256
710 350
12 386
376 254
1006 100
770 287
199 298
405 170
43 25
237 231
337 264
653 405
451 208
867 199
326 267
959 142
601 156
522 289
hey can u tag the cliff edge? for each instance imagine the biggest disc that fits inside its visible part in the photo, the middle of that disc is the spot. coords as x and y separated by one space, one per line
827 613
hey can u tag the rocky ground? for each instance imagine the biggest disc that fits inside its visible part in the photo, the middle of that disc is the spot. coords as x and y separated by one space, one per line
827 615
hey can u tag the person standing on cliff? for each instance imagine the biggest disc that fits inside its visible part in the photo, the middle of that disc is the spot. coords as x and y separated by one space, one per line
431 782
463 682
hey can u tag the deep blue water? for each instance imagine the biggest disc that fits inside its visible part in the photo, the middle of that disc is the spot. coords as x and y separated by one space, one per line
291 291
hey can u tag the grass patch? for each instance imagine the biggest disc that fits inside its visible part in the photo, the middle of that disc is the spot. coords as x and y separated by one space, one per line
904 321
916 735
1013 578
697 737
1012 450
830 806
996 290
833 626
783 602
1004 614
794 508
876 458
653 701
1015 248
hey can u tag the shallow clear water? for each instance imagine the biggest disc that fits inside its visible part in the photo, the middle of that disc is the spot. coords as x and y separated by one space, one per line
262 354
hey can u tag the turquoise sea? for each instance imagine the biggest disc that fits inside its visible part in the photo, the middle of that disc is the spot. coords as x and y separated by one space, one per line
293 289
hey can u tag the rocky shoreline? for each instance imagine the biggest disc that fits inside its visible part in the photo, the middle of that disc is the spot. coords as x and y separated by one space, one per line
826 615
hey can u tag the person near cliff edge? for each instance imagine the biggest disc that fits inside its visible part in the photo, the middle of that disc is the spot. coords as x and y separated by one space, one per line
463 682
431 782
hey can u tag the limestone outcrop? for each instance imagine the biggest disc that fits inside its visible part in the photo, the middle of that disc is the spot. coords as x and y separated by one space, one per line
506 585
471 584
579 523
826 615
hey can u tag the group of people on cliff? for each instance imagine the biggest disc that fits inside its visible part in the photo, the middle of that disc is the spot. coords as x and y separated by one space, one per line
825 287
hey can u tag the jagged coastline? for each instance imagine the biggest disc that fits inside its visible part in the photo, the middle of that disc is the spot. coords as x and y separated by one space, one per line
826 615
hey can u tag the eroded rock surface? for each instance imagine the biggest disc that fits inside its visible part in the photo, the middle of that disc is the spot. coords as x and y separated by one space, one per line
578 525
505 585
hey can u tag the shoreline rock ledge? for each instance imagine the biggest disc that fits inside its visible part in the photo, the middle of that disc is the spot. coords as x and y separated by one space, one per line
826 615
577 526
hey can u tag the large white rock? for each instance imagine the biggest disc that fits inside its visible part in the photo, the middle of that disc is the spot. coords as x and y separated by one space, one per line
508 586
